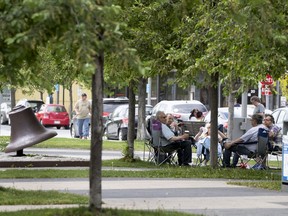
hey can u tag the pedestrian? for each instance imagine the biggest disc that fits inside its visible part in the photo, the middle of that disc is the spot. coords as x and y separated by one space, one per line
83 110
259 108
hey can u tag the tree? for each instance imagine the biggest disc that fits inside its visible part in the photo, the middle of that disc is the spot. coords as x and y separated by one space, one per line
88 27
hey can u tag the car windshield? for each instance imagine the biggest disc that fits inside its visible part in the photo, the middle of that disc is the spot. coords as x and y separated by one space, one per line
186 108
56 109
109 108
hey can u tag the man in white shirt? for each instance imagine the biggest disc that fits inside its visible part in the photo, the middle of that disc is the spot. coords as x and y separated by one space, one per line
244 145
169 141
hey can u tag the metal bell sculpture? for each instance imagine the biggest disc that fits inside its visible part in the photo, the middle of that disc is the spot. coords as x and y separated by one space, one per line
26 130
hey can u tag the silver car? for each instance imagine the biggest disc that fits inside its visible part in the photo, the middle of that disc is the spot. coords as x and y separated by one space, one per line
281 118
180 109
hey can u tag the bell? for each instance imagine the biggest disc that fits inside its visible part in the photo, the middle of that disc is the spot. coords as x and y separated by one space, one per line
26 130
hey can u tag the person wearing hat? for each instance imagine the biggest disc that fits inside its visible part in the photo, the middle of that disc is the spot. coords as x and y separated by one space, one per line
83 110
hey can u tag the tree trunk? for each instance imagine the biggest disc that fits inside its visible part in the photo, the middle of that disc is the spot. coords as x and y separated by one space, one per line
141 109
71 101
231 99
97 132
213 104
131 121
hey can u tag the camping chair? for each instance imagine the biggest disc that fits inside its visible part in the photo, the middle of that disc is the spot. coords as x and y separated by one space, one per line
203 151
161 155
275 151
261 152
148 144
193 127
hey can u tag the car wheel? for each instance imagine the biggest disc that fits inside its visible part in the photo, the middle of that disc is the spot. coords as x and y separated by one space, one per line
72 131
58 127
120 135
66 127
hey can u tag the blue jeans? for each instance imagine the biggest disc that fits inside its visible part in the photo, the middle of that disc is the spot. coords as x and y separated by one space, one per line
83 127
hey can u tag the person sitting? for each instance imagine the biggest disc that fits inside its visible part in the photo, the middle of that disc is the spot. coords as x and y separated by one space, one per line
275 135
199 116
244 145
170 141
202 139
192 116
174 126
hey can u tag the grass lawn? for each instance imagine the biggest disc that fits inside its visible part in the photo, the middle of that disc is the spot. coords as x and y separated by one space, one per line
74 143
84 211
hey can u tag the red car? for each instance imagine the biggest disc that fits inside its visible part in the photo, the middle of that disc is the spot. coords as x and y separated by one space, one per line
53 115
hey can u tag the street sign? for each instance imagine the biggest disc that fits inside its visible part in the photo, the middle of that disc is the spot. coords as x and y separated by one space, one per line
265 90
268 81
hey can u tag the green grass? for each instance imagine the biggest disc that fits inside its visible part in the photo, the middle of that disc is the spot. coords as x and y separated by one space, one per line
161 172
85 212
74 143
11 196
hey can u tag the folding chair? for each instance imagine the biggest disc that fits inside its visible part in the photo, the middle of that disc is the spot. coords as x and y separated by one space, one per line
161 155
203 151
261 152
275 151
148 145
193 127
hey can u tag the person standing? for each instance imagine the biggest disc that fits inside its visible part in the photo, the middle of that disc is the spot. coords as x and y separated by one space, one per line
259 108
83 110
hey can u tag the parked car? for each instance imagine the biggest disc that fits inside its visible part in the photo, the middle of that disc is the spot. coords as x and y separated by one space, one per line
223 115
53 115
109 105
280 116
34 104
117 124
4 113
180 109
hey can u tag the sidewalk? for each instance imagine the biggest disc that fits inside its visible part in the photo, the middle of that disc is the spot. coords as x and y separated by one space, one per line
199 196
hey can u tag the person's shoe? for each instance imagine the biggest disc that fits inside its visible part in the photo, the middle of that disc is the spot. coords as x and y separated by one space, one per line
84 137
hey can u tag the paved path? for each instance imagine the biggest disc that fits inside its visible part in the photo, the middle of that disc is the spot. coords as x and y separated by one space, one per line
201 196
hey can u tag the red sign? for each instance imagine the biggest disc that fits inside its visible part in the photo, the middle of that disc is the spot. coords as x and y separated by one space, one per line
266 90
268 81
